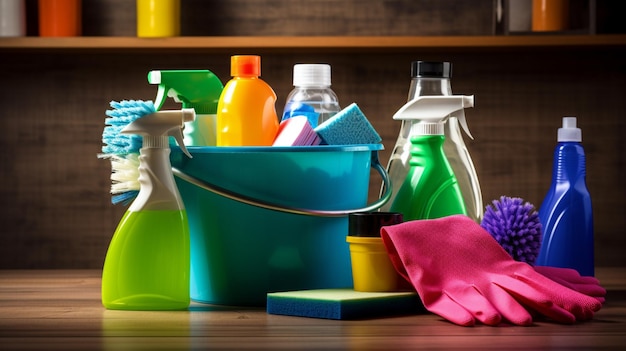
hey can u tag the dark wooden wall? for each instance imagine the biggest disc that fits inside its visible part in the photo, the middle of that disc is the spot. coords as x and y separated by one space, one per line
57 213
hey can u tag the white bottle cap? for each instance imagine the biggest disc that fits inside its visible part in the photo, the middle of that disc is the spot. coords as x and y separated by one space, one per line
569 132
311 75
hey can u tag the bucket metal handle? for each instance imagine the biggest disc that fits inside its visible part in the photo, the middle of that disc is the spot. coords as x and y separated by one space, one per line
293 210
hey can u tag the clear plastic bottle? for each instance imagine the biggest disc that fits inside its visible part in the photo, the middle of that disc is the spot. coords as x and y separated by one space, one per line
433 79
566 215
430 189
312 95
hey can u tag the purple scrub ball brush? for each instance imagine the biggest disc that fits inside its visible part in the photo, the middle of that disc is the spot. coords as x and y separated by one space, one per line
516 227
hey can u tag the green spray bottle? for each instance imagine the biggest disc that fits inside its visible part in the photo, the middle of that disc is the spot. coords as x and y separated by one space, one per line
430 189
147 265
197 89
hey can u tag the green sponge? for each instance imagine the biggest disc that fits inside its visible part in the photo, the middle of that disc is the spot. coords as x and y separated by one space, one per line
342 303
348 127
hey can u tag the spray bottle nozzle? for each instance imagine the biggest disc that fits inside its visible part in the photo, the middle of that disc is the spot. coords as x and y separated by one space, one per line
198 89
160 125
435 110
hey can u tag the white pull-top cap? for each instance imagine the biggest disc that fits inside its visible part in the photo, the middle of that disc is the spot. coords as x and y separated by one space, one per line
569 131
317 74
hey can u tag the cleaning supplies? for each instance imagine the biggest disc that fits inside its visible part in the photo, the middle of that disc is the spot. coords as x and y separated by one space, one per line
570 278
60 18
463 275
197 89
147 265
12 18
348 127
265 219
296 131
430 189
158 18
566 213
123 149
433 79
246 112
342 303
372 270
312 96
516 227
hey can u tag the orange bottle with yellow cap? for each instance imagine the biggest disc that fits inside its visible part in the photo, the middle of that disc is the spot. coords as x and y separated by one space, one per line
246 110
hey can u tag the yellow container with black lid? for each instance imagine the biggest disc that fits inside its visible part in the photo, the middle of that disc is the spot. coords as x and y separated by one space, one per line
372 270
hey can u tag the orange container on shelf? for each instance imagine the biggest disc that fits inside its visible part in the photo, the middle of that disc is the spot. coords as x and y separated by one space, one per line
550 15
60 18
246 110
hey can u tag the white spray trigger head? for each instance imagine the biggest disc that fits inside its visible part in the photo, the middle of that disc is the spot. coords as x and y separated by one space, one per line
463 122
163 124
433 108
188 115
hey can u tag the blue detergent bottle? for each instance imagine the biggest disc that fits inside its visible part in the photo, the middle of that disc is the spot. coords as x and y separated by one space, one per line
566 214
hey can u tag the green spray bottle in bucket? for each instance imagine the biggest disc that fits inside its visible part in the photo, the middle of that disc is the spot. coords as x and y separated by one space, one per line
147 265
430 189
197 89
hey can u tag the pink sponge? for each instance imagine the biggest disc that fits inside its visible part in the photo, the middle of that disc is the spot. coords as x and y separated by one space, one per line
296 131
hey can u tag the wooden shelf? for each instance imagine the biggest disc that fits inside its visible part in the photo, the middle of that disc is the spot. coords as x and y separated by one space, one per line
310 43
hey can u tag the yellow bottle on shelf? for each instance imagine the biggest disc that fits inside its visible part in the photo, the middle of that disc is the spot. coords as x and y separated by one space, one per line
158 18
246 110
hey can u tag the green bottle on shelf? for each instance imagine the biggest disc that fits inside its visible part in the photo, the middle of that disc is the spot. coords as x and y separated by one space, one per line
430 189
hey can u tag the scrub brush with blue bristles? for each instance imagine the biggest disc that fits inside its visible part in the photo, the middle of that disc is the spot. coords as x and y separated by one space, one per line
123 149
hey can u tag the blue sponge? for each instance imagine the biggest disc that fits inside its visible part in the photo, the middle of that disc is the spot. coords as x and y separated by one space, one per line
349 126
342 303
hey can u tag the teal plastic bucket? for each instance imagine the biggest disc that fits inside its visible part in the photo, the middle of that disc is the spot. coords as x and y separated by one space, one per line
267 219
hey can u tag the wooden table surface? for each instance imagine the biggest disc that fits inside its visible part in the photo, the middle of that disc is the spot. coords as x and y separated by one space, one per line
61 309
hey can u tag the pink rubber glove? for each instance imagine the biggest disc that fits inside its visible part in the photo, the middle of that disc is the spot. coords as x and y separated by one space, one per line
572 279
462 274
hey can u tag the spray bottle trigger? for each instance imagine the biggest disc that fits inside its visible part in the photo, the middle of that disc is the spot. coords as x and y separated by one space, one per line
188 115
160 98
467 101
177 97
434 109
463 122
178 135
